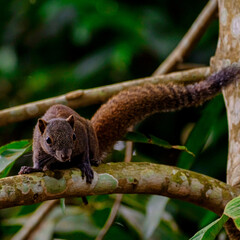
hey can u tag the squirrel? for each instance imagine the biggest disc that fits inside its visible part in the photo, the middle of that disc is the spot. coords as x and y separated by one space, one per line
63 139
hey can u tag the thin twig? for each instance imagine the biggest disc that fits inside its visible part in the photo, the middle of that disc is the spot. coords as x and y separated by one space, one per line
129 148
80 98
117 202
35 219
129 151
111 217
190 39
185 66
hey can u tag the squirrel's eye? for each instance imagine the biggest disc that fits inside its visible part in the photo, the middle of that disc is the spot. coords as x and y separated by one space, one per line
74 137
48 140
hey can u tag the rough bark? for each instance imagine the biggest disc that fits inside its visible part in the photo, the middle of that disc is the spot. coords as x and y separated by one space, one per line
228 52
110 178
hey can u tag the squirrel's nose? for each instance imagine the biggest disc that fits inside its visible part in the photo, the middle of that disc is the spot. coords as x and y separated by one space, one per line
65 156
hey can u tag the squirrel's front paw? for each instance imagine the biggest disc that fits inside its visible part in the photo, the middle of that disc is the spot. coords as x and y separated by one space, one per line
87 171
27 170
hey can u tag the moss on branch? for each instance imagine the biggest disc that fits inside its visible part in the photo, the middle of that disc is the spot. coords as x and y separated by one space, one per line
146 178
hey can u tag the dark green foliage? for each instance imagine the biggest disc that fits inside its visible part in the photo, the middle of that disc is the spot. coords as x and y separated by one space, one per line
202 130
211 231
10 153
50 47
141 138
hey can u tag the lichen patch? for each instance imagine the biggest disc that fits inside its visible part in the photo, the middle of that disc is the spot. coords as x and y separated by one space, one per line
236 181
209 192
234 43
219 43
106 181
32 109
183 177
235 26
226 62
3 194
234 108
215 194
16 112
223 16
30 184
8 192
77 182
61 100
53 185
225 39
196 186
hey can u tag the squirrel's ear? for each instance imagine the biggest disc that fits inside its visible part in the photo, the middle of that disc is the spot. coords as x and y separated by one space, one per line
70 120
42 125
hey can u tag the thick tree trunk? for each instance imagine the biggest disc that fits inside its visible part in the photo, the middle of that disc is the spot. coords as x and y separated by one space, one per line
228 52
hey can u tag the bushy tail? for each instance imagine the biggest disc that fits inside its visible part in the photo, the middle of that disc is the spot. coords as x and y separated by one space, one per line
128 107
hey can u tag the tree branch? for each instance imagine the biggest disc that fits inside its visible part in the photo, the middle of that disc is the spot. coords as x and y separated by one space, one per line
146 178
190 39
80 98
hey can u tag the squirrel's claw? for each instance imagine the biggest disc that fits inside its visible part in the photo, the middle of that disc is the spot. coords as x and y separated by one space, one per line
27 170
86 171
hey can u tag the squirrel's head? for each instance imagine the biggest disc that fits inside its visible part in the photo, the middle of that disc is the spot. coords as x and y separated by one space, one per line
57 137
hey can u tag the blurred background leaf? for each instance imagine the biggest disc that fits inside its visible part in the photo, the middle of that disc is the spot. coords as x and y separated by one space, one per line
211 231
9 153
155 209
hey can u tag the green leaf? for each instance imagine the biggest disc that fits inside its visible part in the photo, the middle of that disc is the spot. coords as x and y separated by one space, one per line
141 138
9 153
207 219
232 210
133 217
237 223
211 231
200 133
155 209
76 223
168 230
63 205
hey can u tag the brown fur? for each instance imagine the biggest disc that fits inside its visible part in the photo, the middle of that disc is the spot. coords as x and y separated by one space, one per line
128 107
